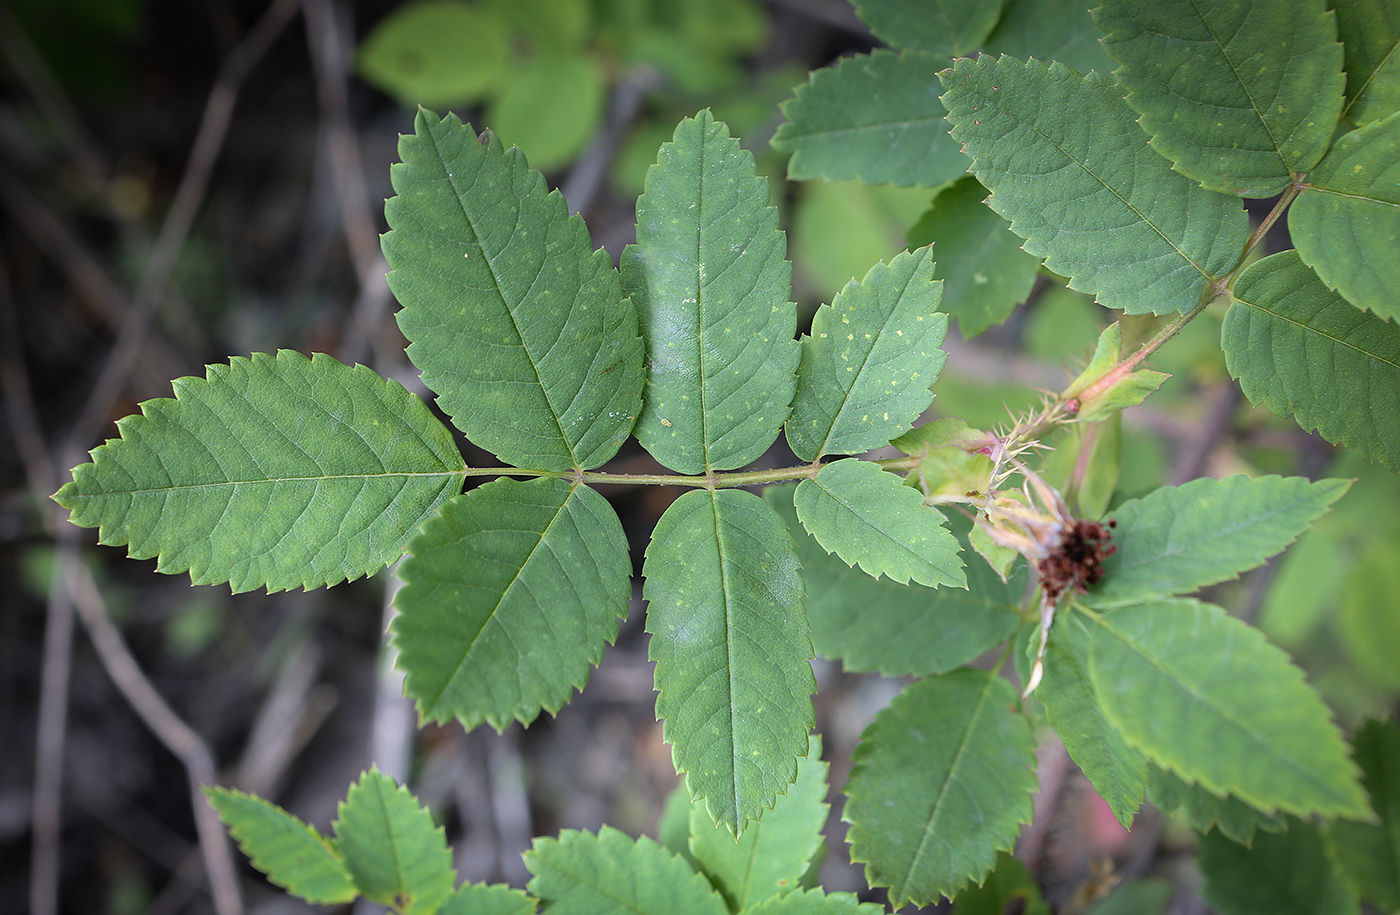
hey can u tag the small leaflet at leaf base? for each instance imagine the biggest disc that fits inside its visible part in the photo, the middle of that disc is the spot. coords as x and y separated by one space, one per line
277 472
1097 404
1300 349
518 325
511 595
292 854
1283 873
1239 96
1367 855
710 278
1067 164
869 518
732 652
942 782
871 118
1206 697
1148 896
1235 819
869 361
580 873
1346 221
1180 538
951 27
771 856
378 814
815 902
1009 888
484 899
1370 34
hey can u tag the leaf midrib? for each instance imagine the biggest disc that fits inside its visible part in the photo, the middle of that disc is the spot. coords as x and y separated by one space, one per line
264 481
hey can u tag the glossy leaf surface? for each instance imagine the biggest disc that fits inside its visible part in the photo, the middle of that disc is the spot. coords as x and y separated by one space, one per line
1067 164
1367 855
292 854
733 658
580 873
511 594
517 324
270 472
394 852
711 281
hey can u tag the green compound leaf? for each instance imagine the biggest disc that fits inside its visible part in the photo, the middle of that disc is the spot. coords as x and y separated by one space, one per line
1346 222
1060 30
949 27
517 324
1235 819
876 625
869 361
1282 874
1370 33
729 638
270 472
771 856
711 281
511 594
483 899
1205 697
1302 350
984 270
871 118
583 874
393 851
869 518
292 854
1180 538
942 782
1368 855
1239 96
1009 888
436 52
1066 162
815 902
1117 771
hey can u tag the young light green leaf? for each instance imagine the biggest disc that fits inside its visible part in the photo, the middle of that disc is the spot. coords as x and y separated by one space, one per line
1066 162
732 653
869 361
270 472
1205 697
394 852
1370 627
1370 33
483 899
771 856
1282 874
875 625
517 324
1009 888
1060 30
815 902
871 118
1128 391
1302 350
1148 896
711 281
551 106
1368 855
1346 221
435 52
1180 538
942 782
1117 771
511 593
1235 819
870 518
984 270
293 855
1264 93
673 827
584 874
949 27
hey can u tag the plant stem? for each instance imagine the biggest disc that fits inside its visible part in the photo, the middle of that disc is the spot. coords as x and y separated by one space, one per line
698 481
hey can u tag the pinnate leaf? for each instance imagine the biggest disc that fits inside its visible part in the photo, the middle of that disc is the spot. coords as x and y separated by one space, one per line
293 855
517 324
870 518
711 280
1368 855
1180 538
941 783
394 852
1067 164
1205 697
270 472
1346 221
580 873
869 361
1370 33
733 658
1264 91
1302 350
1281 874
871 118
949 27
511 593
1235 819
